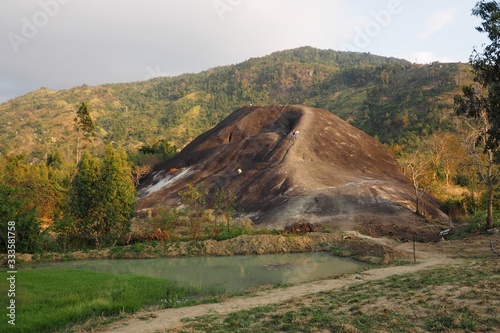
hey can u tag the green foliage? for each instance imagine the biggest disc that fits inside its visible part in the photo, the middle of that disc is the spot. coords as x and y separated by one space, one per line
102 197
84 195
486 66
194 200
84 123
201 222
28 195
84 127
48 300
118 193
28 233
461 180
483 104
66 228
165 219
27 228
225 203
231 231
225 207
475 222
148 156
161 147
389 98
55 160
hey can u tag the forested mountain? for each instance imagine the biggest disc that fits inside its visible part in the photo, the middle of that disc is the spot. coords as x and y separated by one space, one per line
392 99
46 161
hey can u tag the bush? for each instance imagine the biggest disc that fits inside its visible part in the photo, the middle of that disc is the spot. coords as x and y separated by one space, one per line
231 232
473 224
455 207
27 232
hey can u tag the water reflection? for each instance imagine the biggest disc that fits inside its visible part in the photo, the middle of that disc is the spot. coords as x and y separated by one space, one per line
231 274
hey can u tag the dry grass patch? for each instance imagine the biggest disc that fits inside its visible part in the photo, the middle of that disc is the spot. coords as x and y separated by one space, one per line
460 298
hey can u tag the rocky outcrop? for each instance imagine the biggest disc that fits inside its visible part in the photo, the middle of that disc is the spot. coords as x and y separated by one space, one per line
328 172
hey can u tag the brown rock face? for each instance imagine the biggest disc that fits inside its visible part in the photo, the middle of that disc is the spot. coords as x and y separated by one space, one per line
329 173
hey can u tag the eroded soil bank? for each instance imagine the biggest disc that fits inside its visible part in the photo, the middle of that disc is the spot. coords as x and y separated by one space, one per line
362 248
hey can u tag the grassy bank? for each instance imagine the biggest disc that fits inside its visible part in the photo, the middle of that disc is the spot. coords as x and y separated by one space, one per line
351 246
463 298
48 300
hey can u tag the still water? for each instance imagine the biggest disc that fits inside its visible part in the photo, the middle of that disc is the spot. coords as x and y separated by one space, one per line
229 274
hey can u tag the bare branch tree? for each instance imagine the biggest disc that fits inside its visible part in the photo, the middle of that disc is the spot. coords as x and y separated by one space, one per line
415 166
482 158
140 171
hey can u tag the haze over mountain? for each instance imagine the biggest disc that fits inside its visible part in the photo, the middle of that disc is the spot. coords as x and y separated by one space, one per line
392 99
332 173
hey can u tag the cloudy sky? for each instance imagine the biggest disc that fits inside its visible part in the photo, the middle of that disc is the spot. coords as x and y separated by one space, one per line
59 44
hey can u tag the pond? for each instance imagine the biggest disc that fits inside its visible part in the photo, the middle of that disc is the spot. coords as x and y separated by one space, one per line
229 274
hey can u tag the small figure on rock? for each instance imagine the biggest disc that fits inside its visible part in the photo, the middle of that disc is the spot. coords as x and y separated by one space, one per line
295 134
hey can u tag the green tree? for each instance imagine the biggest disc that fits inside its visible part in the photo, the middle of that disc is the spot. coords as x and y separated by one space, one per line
483 104
194 200
161 147
102 197
55 160
19 200
85 197
27 228
225 206
118 193
84 127
486 69
481 154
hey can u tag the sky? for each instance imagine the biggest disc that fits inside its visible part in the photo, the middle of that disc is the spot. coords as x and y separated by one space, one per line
60 44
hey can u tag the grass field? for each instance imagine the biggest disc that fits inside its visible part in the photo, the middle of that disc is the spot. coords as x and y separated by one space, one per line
462 298
49 300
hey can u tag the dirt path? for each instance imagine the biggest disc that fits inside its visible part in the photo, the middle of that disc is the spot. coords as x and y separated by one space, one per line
164 320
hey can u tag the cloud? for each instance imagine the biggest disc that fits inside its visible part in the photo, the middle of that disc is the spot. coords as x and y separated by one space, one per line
424 57
437 22
96 42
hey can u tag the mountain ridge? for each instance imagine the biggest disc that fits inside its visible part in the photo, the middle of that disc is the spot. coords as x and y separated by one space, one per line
366 90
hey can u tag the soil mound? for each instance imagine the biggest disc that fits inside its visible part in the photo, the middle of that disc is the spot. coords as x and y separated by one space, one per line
288 164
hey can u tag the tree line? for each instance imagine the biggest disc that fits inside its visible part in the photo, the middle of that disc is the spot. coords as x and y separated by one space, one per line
88 202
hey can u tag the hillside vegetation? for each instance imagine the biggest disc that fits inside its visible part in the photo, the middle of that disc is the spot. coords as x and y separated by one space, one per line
392 99
408 107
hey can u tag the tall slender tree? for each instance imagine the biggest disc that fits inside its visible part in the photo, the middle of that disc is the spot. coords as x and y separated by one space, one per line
85 197
483 101
84 127
118 193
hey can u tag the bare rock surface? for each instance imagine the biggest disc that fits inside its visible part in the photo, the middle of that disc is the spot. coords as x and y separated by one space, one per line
331 173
